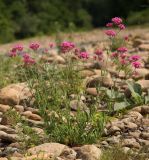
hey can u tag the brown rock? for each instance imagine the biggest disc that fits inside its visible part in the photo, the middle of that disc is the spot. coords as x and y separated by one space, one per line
31 116
142 73
144 47
131 143
14 94
4 108
19 108
54 149
131 126
95 81
144 84
88 152
7 129
86 73
92 91
145 109
145 135
75 105
8 137
113 129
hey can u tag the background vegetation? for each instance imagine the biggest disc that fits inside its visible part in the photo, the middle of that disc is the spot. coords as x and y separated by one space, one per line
25 18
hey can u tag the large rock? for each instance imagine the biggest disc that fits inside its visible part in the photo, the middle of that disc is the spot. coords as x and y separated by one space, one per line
54 149
14 94
88 152
8 137
144 84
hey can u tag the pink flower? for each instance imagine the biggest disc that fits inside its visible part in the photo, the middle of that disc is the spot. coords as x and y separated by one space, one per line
117 20
114 55
134 58
109 24
17 47
123 62
27 59
136 64
110 33
99 52
26 56
12 54
123 55
45 50
67 47
122 49
84 55
34 46
126 38
51 45
121 26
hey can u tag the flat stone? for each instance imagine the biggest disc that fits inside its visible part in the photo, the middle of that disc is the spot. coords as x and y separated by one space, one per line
8 137
131 143
130 126
145 109
92 91
4 108
113 129
7 129
88 152
145 135
54 149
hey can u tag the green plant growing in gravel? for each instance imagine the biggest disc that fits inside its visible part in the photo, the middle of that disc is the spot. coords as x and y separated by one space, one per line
57 84
53 86
122 64
27 136
13 117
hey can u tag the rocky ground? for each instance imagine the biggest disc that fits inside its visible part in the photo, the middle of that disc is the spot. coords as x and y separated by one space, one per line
129 130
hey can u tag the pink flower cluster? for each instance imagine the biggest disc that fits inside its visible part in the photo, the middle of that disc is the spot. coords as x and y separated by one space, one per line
84 55
122 49
12 54
110 33
51 45
116 21
67 47
17 47
134 59
98 54
125 59
27 59
34 46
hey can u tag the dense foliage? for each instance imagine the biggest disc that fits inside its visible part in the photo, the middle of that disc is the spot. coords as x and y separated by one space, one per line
25 18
